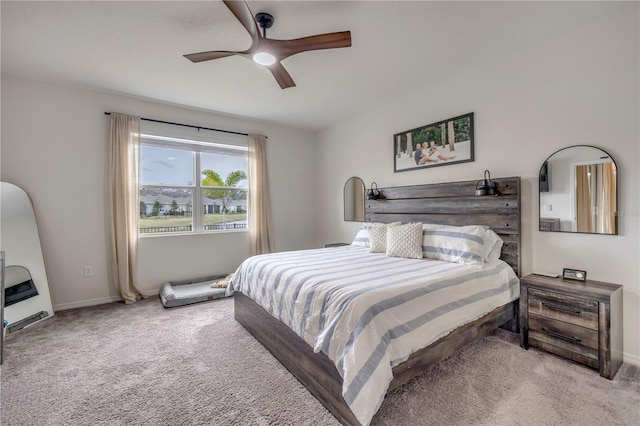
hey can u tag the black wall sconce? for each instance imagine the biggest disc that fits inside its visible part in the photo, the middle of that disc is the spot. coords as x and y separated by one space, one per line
373 193
486 186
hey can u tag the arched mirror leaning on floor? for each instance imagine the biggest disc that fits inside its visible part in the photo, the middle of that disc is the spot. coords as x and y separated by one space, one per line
27 298
354 200
578 191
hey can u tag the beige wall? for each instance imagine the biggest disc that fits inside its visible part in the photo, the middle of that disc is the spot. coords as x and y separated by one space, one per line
54 145
580 87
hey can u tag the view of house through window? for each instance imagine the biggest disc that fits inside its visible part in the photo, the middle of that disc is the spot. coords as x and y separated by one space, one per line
191 186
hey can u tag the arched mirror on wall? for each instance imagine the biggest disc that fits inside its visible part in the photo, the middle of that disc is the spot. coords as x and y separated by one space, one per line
354 200
27 298
579 191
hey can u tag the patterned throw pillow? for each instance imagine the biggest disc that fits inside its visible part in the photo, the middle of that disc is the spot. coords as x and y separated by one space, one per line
405 241
378 237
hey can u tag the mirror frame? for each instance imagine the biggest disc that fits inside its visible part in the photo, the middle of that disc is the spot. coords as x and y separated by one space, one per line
615 223
356 215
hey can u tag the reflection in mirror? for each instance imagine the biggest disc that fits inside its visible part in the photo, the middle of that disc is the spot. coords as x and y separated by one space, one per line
18 285
26 287
578 191
354 200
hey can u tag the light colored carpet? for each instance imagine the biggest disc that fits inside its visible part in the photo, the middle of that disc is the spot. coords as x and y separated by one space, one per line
143 364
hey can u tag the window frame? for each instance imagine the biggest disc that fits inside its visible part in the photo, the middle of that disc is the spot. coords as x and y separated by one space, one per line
197 147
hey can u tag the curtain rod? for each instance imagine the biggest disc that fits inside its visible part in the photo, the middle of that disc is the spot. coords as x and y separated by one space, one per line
189 125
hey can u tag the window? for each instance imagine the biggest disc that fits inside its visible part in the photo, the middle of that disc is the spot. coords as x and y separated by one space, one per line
192 186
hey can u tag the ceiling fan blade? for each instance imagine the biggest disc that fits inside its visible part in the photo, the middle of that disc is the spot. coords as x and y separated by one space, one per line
207 56
241 11
282 76
286 48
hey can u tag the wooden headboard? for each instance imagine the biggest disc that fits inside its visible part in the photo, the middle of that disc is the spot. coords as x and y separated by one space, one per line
455 203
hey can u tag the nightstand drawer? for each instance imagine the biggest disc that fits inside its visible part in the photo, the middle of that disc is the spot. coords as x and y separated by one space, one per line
562 335
574 310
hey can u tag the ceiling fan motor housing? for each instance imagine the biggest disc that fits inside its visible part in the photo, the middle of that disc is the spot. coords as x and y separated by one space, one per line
265 20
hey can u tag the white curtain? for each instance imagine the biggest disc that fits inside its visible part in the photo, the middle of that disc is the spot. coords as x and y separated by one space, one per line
124 166
607 199
584 203
261 233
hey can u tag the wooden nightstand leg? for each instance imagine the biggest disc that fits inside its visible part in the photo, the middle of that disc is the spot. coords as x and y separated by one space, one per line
604 321
523 316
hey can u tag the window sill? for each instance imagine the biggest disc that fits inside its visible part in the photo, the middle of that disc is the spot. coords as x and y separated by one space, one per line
182 234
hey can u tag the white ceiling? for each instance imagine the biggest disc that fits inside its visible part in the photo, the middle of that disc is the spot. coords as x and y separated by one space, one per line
136 48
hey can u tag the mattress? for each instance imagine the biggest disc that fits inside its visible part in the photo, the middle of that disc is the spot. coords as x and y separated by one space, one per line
368 312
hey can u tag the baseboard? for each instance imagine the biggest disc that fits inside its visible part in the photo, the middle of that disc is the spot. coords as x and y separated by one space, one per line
85 303
149 293
98 301
631 359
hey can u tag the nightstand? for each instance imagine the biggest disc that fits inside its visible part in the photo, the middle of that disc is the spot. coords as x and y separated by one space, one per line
580 321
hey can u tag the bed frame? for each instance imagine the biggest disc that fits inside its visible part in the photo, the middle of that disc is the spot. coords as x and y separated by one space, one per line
445 203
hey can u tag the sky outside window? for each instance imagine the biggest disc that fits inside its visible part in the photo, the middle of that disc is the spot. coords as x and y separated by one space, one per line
166 166
169 166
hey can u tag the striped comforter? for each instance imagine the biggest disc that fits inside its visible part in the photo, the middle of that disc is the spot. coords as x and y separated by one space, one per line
368 312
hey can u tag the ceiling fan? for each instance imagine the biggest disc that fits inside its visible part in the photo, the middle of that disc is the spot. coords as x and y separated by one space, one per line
271 52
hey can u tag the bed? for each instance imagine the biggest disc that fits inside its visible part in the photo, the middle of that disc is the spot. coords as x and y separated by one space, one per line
295 303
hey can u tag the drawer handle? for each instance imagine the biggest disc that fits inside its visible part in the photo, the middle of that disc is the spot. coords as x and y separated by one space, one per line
561 308
561 336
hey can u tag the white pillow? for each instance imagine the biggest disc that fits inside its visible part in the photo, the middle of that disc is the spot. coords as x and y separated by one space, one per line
378 237
362 237
457 244
492 246
405 241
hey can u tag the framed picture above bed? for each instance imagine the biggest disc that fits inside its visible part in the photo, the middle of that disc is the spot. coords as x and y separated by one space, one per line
446 142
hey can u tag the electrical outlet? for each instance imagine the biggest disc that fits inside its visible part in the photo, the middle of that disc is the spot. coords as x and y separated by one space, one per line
88 270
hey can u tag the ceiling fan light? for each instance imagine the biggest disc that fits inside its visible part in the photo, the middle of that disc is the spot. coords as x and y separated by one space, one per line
264 58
